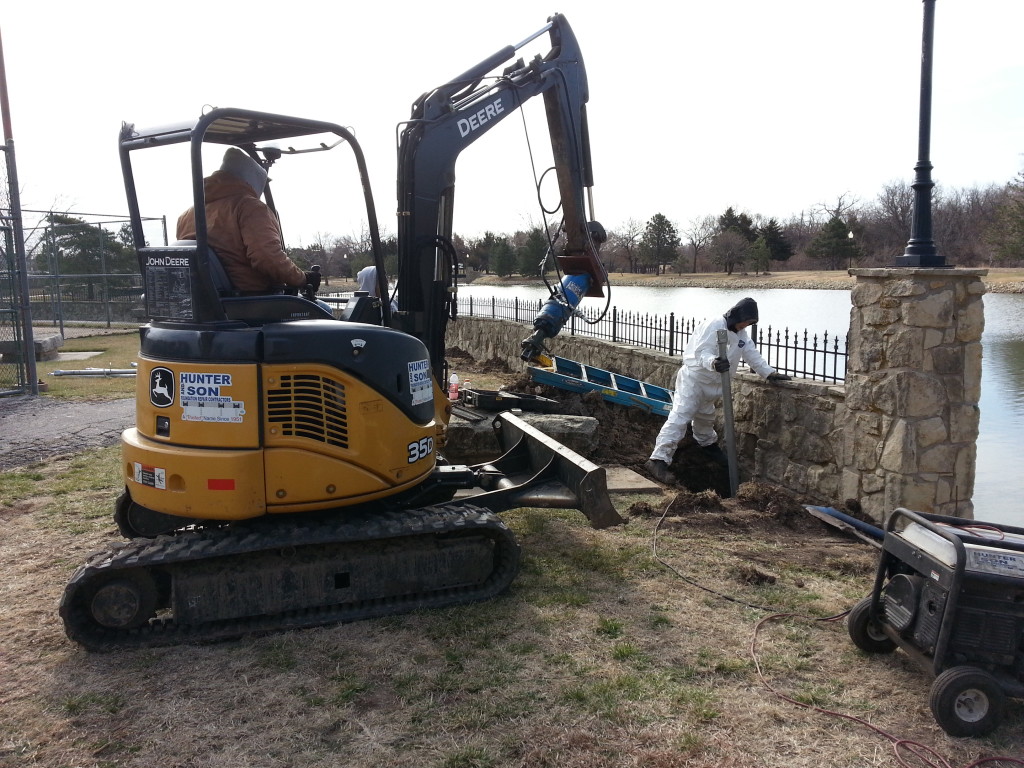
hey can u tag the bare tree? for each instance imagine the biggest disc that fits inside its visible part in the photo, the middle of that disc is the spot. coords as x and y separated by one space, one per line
891 217
800 230
626 241
961 218
729 250
841 208
699 233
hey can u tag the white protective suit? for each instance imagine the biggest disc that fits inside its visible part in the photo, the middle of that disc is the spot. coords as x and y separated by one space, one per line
367 280
699 386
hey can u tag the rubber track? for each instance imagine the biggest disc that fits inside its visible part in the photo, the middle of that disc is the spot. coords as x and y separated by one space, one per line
196 546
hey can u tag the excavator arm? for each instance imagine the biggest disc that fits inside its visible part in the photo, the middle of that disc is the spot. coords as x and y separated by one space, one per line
444 122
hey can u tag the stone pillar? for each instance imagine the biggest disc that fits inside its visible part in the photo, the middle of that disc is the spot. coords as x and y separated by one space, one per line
912 389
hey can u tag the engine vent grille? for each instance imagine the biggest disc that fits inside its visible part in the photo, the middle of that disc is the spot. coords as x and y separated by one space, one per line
310 407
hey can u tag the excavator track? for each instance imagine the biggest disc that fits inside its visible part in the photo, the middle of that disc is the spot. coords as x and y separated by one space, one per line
215 584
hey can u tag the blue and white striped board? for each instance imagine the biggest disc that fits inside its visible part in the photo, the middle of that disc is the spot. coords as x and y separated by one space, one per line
577 377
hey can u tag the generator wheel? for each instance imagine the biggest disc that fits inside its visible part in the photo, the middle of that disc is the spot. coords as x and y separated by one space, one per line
967 701
865 632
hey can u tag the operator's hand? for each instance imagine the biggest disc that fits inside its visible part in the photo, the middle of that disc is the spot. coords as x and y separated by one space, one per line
720 364
773 377
313 281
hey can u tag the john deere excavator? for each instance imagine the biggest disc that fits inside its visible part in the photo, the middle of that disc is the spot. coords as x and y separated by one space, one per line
284 470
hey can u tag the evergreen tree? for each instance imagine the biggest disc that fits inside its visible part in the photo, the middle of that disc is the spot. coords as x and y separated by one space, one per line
779 248
503 258
482 251
759 255
659 244
532 253
740 223
834 246
74 246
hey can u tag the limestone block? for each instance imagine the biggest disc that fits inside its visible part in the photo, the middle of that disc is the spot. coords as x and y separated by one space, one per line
903 288
849 484
939 459
970 322
946 359
964 423
837 444
866 293
931 431
972 373
45 348
866 453
908 491
873 483
912 394
860 389
934 311
906 349
879 315
473 442
823 481
775 466
873 505
964 470
795 477
933 338
815 416
899 451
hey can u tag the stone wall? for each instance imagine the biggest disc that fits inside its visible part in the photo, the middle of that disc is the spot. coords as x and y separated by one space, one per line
790 434
901 432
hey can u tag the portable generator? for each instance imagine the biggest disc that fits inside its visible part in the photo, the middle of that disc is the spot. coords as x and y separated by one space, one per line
949 592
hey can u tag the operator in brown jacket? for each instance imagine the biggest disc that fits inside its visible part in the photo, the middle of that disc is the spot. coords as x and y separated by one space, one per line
242 229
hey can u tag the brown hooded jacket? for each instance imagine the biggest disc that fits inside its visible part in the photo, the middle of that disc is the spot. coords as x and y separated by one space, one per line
245 234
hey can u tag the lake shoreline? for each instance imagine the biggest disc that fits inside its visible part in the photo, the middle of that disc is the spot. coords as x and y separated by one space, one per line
998 280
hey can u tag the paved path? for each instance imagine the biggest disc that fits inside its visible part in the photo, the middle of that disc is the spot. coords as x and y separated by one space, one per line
35 428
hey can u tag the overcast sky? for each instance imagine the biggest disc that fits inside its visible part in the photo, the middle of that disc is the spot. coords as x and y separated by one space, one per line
770 107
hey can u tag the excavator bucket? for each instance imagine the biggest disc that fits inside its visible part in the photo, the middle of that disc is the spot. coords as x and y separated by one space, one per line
538 471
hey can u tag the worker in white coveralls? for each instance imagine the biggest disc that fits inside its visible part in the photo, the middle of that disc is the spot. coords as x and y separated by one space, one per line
699 386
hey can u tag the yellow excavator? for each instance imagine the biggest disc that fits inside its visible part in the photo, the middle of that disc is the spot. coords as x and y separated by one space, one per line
286 465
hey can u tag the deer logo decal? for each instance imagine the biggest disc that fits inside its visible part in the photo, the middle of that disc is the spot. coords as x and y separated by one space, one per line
161 387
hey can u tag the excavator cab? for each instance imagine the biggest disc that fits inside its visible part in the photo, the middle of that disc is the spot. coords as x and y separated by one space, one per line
286 468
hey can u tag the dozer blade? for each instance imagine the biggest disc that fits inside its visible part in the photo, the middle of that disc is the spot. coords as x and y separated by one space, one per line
538 471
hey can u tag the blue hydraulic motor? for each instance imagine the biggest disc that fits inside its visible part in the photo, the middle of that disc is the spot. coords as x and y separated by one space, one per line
555 314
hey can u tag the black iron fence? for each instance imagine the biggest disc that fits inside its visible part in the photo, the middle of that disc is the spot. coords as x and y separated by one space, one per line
819 357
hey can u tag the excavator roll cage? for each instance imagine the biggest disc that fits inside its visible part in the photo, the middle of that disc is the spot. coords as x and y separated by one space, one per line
259 134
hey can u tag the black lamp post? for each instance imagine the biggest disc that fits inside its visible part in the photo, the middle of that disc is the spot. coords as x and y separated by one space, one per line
921 250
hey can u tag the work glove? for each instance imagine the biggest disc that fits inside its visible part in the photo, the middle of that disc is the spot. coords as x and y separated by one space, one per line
773 377
720 364
313 281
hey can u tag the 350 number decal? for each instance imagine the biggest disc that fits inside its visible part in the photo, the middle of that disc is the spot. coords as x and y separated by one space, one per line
421 449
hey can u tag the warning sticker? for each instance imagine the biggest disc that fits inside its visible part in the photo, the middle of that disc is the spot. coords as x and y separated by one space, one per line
154 477
205 397
420 385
